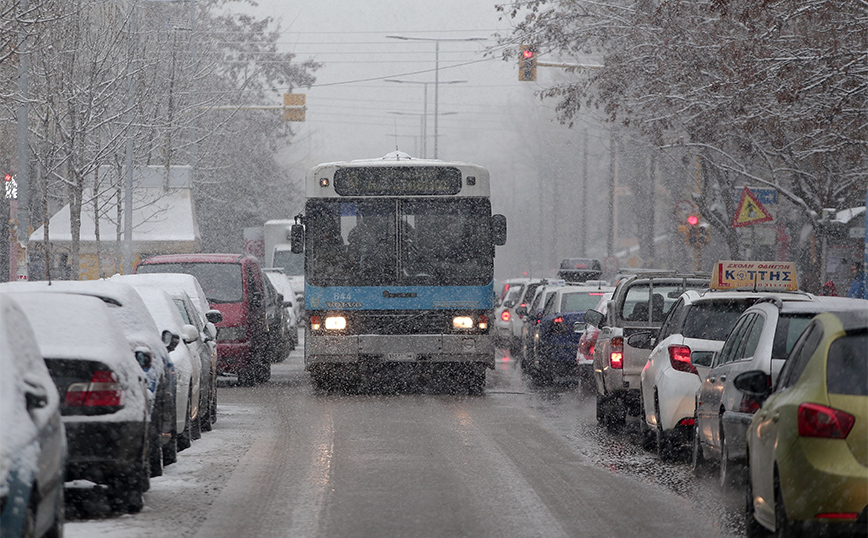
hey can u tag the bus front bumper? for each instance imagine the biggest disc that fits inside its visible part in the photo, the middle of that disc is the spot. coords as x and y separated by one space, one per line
462 348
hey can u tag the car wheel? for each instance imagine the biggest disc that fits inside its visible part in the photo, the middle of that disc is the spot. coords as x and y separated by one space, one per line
185 439
247 376
648 437
28 528
784 526
56 529
126 492
155 451
730 471
170 449
195 430
262 372
699 466
475 380
213 403
753 529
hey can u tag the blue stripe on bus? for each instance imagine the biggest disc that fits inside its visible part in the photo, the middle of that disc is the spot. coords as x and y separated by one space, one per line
399 297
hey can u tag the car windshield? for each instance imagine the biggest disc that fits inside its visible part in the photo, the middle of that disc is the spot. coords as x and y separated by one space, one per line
847 366
712 320
398 242
222 282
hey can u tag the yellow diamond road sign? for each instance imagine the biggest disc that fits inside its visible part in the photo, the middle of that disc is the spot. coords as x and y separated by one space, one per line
750 211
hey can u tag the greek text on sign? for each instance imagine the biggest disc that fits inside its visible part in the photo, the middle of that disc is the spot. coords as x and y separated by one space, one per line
757 276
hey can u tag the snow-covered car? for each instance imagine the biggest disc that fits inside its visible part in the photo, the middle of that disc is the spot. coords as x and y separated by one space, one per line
693 331
201 315
187 360
282 283
103 389
33 450
139 329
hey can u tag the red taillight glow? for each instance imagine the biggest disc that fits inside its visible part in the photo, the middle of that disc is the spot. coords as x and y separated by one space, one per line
103 390
838 515
505 315
616 354
559 319
817 420
315 323
482 322
687 421
748 405
679 358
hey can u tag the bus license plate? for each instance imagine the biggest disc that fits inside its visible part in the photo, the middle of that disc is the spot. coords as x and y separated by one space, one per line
401 357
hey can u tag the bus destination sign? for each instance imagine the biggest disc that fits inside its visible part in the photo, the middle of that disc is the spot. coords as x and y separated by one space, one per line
397 181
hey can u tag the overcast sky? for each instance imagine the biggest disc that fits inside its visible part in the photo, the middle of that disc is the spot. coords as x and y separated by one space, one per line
351 109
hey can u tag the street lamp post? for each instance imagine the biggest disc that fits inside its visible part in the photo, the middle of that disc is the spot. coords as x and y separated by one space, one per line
425 115
436 41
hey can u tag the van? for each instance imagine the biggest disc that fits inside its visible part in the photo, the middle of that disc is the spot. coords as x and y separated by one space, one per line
234 285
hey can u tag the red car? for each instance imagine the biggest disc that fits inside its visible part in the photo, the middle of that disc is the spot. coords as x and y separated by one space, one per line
234 285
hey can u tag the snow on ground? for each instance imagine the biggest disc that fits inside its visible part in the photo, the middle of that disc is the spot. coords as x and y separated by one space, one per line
178 502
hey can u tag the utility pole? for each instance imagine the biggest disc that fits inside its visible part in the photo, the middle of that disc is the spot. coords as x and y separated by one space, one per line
436 41
23 174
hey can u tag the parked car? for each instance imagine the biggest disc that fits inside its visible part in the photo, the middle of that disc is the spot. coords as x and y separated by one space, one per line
807 449
557 335
275 320
585 352
103 389
32 460
187 358
531 316
202 316
233 284
693 331
639 303
139 329
760 340
503 315
290 301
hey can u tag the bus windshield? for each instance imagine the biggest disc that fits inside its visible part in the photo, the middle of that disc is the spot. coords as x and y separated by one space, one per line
379 242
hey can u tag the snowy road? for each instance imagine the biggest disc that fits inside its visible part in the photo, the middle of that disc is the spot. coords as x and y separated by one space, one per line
284 460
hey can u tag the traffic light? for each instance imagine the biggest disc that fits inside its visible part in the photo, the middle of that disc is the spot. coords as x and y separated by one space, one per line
527 63
294 106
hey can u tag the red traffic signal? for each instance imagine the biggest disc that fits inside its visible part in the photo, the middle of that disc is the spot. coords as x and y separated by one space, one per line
692 220
527 63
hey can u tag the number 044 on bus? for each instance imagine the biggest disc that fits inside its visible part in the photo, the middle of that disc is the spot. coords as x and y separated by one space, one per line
399 266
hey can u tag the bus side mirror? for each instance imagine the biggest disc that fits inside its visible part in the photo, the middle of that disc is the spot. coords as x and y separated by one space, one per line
296 236
498 230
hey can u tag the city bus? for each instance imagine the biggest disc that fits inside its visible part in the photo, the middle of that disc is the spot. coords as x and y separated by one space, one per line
399 266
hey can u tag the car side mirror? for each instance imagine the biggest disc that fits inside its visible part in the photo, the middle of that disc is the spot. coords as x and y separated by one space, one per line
189 334
296 239
498 230
643 340
35 393
170 340
144 357
210 332
754 383
214 316
592 317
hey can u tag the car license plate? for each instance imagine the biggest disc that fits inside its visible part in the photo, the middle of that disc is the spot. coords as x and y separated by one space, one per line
401 357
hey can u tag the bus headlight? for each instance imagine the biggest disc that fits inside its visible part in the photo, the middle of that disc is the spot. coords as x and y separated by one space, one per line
335 323
462 322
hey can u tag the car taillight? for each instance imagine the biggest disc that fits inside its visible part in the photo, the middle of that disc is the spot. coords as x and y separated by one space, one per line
689 421
103 390
748 405
505 315
616 354
679 358
482 322
817 420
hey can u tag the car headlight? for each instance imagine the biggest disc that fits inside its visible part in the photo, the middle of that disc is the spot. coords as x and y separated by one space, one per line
335 323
